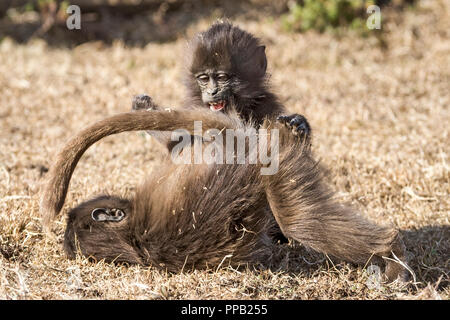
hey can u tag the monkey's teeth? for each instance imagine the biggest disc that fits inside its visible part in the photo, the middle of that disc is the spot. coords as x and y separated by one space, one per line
217 106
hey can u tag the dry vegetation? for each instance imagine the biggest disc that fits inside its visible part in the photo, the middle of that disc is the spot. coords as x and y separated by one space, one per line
379 107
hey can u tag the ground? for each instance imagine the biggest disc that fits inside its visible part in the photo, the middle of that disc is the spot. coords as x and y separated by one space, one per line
378 106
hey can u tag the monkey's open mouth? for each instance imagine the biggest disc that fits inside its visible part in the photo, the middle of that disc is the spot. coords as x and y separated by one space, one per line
217 105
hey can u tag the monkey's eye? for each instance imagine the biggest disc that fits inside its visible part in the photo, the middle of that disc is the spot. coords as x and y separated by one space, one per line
203 78
222 77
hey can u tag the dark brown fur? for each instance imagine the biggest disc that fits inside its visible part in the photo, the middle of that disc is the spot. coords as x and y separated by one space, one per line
226 48
59 176
198 216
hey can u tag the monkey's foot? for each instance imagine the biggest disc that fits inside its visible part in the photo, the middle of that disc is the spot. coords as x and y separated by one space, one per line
142 102
298 124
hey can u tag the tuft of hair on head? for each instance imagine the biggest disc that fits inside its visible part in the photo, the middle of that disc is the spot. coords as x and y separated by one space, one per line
226 65
227 46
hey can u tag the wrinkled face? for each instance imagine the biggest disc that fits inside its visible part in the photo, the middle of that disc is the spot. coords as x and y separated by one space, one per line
215 87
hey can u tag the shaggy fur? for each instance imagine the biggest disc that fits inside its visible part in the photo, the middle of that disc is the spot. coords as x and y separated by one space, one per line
199 216
225 47
228 48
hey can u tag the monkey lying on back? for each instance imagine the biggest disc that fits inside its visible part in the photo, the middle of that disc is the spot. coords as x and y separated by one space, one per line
198 216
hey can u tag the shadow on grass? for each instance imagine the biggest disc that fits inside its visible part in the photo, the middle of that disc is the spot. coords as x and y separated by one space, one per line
429 249
428 252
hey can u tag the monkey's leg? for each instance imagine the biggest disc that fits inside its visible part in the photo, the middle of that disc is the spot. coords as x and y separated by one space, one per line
299 127
305 209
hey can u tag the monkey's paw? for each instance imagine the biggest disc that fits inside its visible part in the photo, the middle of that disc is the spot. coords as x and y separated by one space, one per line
298 124
142 102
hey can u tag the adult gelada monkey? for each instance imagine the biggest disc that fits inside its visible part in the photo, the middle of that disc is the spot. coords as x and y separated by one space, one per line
205 215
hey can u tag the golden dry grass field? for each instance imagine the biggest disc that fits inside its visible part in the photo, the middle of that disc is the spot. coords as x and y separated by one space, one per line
378 106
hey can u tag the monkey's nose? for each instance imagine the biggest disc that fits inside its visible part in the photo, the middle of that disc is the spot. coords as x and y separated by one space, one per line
213 91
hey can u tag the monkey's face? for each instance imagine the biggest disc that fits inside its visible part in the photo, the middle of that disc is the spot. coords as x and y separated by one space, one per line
99 228
222 84
227 68
216 89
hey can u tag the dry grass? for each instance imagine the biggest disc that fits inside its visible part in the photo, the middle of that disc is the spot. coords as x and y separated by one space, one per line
381 118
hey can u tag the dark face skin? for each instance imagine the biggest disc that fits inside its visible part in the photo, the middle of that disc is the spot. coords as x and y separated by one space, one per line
215 86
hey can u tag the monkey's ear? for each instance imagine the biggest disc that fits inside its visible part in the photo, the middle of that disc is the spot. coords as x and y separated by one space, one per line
261 59
106 214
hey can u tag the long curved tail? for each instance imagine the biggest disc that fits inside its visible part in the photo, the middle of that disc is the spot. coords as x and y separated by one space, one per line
54 190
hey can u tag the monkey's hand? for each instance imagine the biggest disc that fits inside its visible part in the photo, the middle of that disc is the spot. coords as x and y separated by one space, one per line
298 124
143 102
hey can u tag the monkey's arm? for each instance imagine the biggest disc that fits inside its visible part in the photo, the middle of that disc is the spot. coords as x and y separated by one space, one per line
305 210
144 102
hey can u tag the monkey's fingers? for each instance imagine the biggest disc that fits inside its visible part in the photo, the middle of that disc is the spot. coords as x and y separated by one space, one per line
142 102
298 124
